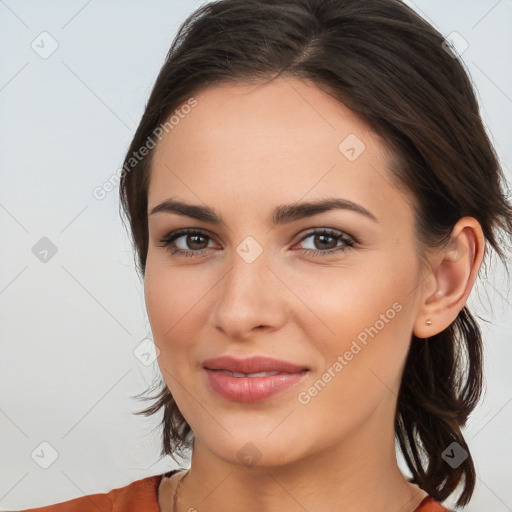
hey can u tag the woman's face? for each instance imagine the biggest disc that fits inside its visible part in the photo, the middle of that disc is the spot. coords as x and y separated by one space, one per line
336 291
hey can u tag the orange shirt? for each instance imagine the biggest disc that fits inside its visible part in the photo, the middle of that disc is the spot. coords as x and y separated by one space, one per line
142 495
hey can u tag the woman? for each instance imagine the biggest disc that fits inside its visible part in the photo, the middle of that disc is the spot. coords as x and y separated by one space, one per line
311 194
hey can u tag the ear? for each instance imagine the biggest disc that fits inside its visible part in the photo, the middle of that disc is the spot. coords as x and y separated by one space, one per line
453 272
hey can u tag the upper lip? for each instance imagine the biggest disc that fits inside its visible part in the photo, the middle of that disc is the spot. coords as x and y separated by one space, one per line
254 364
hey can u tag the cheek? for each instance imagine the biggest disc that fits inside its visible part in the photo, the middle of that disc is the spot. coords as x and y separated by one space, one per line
175 299
340 302
169 303
363 358
364 316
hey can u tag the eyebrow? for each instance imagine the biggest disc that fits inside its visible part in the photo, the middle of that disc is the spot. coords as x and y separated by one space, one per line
282 214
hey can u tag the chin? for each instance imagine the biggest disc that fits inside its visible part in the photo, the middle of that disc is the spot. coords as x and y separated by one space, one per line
252 448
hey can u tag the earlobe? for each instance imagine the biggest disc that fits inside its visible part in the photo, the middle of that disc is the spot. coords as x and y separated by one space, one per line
454 272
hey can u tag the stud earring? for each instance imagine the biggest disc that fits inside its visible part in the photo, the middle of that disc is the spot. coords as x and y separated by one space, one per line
428 321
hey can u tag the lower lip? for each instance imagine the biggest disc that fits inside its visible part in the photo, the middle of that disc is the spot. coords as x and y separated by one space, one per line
252 389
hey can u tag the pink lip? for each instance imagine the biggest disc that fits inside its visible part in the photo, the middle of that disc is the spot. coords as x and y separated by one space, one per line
251 389
253 364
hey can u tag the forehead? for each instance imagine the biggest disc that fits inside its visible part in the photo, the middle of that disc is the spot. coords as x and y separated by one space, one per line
271 143
274 119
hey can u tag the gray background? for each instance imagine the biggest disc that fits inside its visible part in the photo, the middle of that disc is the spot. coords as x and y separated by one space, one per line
70 325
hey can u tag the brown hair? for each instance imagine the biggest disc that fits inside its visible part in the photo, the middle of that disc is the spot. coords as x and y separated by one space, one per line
392 68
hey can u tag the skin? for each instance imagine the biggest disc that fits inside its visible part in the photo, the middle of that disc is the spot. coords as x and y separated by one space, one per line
242 151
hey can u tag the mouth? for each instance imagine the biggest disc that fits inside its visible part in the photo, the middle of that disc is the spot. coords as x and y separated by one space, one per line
249 375
252 366
252 379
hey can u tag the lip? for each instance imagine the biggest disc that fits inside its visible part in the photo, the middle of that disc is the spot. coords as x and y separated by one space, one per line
253 364
251 389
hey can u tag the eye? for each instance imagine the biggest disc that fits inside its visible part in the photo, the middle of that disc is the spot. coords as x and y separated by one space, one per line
195 242
328 239
194 239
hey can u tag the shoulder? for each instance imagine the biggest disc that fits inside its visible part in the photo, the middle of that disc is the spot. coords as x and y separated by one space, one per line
429 504
143 492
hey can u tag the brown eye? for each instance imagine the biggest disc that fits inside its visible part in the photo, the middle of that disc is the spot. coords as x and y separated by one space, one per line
326 241
194 242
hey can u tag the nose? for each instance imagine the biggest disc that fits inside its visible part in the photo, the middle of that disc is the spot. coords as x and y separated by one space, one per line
249 298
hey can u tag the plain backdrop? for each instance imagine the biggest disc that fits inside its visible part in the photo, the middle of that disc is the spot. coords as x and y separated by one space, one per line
74 80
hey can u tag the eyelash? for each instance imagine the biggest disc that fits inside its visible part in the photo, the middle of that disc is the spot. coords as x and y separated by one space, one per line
349 242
